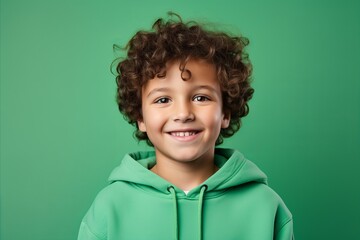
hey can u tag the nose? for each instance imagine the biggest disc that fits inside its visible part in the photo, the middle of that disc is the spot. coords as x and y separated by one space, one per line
183 112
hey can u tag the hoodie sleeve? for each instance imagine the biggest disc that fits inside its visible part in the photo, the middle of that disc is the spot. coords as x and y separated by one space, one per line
86 234
283 223
94 224
286 232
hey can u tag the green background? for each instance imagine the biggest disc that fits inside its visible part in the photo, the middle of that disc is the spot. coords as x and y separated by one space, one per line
61 133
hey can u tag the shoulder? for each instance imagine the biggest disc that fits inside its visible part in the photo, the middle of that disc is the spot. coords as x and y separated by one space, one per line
282 214
97 217
270 196
264 199
114 192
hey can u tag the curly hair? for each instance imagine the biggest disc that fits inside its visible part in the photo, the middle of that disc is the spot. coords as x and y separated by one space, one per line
149 51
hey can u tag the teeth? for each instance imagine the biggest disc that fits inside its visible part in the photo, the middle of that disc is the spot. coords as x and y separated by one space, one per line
182 134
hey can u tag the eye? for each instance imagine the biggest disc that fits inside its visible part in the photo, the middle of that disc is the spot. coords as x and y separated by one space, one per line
162 100
200 98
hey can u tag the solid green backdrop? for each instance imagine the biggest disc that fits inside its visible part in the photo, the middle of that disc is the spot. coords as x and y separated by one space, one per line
61 132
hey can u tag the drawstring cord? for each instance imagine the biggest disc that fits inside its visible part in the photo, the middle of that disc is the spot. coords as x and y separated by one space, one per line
173 193
200 209
203 189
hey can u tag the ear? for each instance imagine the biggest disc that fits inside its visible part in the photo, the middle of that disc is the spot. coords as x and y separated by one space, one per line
225 120
141 125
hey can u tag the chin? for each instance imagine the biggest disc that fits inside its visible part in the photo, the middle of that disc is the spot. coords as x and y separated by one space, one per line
187 157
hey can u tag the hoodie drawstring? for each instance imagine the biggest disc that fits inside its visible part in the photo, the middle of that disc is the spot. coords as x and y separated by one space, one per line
200 209
173 194
203 189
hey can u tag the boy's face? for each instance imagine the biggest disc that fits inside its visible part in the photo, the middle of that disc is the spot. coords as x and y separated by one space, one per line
183 119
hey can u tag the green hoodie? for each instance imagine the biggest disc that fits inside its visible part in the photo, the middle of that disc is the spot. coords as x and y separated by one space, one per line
234 203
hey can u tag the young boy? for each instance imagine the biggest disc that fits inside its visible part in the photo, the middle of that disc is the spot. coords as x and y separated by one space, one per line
185 89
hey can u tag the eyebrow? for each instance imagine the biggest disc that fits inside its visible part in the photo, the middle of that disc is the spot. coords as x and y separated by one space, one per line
208 87
164 89
156 90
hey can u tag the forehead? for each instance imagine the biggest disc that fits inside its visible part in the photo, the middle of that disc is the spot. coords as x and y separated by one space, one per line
196 72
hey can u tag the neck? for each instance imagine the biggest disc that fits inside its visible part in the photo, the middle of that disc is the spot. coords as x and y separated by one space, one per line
185 175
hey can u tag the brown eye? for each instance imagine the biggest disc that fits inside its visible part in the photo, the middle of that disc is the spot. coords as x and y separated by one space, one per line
201 98
162 100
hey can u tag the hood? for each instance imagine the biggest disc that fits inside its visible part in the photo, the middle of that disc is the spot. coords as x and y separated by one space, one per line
234 170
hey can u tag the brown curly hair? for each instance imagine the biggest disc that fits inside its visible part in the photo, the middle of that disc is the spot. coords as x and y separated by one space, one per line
149 51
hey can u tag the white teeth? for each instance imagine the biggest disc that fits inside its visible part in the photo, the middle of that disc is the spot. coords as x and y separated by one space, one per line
182 134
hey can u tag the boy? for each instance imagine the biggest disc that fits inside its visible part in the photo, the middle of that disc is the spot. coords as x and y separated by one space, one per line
185 89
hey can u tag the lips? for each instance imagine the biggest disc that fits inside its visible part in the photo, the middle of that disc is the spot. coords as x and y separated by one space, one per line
184 133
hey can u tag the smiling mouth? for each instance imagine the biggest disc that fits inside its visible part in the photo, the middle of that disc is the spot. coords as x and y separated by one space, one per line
183 134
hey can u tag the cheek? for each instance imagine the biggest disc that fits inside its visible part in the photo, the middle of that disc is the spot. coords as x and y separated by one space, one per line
213 118
154 120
